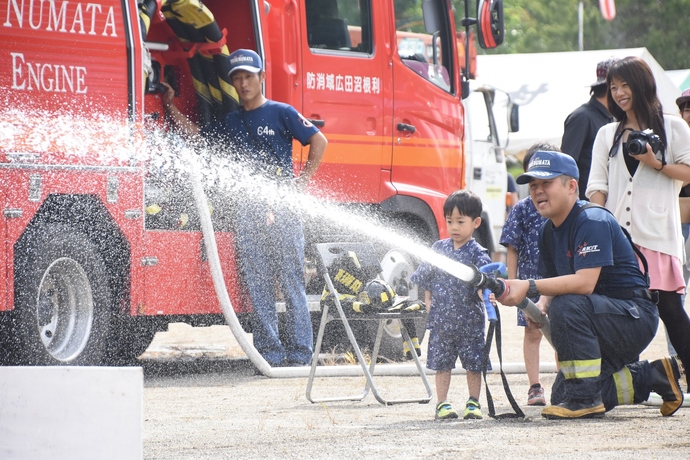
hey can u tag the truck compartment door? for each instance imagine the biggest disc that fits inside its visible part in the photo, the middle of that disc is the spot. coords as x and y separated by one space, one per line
487 133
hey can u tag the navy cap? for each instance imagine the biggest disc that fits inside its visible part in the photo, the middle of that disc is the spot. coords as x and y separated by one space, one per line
547 165
245 60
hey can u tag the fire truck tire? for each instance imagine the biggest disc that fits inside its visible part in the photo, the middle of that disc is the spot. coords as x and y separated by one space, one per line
63 299
131 338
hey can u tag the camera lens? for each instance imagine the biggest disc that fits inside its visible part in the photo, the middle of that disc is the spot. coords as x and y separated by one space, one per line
637 146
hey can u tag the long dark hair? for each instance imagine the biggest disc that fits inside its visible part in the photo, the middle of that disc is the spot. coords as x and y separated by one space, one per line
646 105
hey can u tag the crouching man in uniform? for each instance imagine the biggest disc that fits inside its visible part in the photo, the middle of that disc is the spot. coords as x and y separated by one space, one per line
601 312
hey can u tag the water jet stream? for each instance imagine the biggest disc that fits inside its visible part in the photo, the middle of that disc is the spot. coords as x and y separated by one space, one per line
313 207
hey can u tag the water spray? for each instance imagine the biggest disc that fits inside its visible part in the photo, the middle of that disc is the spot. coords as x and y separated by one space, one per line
310 206
174 158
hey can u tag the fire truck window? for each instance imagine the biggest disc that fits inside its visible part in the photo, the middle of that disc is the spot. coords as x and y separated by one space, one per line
427 54
342 25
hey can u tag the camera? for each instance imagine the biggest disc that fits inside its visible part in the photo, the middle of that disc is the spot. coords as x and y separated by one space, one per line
638 140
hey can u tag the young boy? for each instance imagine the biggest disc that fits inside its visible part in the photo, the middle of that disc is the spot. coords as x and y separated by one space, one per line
456 318
520 235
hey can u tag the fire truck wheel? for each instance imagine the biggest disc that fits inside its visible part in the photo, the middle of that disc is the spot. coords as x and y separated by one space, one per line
63 299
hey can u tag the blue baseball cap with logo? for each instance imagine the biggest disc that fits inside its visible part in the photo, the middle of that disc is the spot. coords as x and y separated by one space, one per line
547 165
245 60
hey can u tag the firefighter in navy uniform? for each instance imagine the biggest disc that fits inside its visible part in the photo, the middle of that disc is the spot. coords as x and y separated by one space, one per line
268 233
602 314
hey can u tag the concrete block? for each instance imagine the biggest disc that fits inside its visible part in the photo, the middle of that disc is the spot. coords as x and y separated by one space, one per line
71 413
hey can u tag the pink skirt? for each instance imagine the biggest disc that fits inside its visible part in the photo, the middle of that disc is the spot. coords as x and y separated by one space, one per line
665 271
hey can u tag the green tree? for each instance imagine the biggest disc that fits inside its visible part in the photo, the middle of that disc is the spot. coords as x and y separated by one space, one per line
661 26
534 26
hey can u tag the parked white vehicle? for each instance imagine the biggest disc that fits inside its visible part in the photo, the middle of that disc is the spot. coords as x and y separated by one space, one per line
490 116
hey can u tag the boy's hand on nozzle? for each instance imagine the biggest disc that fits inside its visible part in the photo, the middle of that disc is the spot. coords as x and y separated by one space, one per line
490 305
483 278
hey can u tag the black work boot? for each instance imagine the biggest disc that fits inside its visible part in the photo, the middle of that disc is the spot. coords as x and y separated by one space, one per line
576 408
665 373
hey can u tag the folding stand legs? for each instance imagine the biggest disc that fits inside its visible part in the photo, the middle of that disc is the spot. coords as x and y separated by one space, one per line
368 371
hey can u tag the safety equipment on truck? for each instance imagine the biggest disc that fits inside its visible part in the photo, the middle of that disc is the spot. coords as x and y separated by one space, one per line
199 34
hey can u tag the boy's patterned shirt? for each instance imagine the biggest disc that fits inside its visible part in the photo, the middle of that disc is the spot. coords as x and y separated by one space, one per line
521 231
452 300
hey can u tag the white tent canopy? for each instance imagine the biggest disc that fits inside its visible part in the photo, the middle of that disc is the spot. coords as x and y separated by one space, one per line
548 86
680 78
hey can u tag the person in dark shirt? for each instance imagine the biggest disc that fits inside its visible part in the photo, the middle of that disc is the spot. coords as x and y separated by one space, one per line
581 126
683 103
269 236
601 310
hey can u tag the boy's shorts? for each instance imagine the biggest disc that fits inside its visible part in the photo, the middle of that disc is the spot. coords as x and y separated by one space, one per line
445 348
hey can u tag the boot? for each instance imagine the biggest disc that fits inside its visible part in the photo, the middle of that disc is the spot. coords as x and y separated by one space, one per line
576 408
665 373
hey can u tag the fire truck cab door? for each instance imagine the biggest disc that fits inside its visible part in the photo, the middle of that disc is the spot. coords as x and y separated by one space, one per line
346 74
427 114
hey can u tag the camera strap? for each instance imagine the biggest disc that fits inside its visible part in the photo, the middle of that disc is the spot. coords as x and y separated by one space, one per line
617 139
616 142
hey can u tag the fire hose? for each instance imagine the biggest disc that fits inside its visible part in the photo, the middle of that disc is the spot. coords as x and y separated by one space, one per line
494 284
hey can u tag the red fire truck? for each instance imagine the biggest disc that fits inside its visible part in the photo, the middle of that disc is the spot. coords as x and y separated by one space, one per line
94 266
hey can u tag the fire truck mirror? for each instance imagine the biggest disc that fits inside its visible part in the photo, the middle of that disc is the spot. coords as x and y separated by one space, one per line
490 27
514 118
432 21
465 88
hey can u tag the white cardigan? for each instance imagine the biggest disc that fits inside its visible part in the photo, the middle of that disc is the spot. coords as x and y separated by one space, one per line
645 204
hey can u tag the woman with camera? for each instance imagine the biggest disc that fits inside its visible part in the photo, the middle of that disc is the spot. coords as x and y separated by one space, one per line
639 164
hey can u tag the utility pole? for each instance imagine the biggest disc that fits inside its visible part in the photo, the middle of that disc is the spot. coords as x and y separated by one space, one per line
580 24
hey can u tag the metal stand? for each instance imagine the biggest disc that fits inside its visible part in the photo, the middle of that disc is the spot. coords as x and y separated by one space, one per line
328 252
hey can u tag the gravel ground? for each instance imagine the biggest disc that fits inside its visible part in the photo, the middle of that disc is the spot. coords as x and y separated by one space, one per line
204 400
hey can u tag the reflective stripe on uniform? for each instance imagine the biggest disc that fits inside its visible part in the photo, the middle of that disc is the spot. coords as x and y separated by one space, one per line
624 386
581 369
191 12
